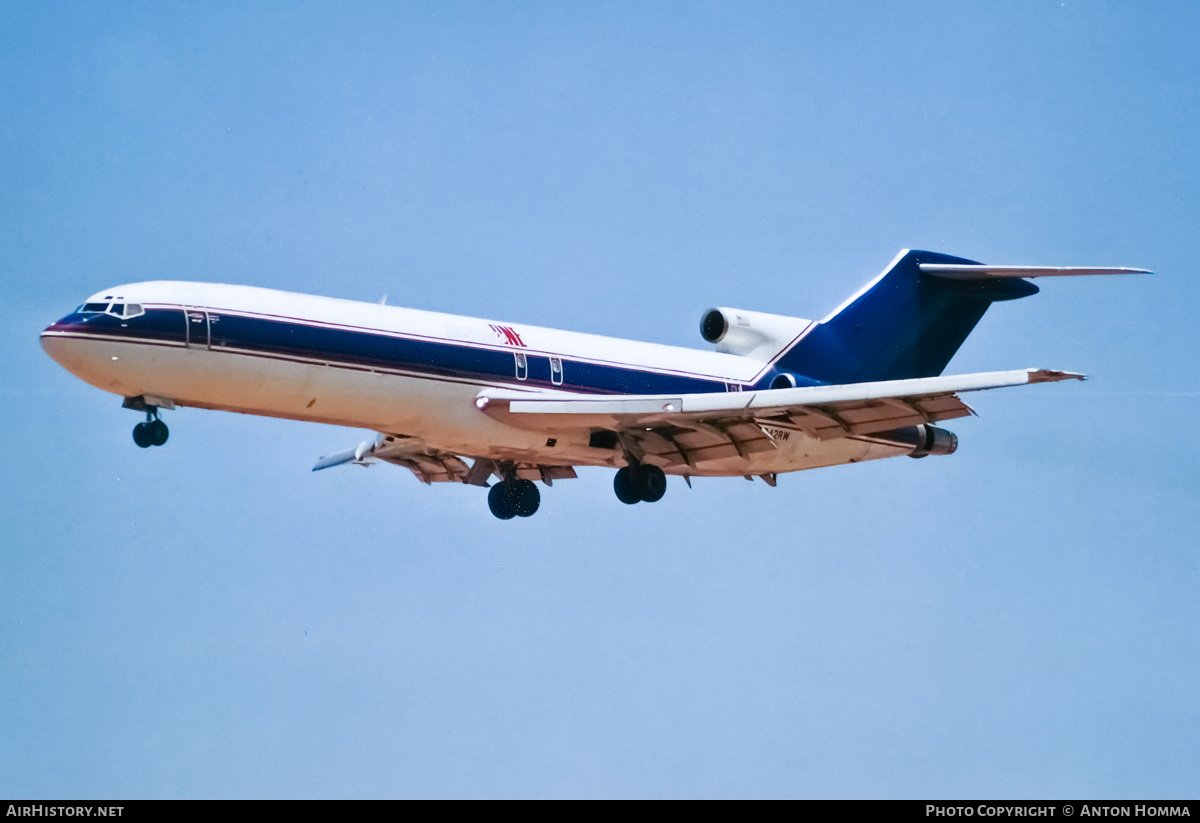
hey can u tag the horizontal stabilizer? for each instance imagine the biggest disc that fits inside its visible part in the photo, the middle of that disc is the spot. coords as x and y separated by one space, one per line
957 271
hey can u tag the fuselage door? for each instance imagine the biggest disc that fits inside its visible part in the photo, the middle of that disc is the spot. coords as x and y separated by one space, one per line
197 327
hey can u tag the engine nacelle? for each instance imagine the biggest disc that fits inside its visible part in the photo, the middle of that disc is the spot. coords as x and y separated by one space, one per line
750 333
932 440
922 438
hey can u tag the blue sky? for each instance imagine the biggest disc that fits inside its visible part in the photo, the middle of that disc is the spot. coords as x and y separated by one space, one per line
211 619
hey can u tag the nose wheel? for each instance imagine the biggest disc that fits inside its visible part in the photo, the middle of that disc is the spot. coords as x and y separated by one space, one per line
153 432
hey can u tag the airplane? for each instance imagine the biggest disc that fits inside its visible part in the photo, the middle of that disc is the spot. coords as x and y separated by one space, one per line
460 399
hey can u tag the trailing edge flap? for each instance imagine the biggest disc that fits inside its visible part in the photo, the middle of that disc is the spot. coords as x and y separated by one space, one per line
955 271
825 412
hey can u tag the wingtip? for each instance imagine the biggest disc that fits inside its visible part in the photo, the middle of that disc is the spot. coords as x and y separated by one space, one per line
1052 376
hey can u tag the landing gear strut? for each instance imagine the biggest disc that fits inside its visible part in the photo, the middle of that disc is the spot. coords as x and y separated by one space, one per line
153 432
639 482
514 497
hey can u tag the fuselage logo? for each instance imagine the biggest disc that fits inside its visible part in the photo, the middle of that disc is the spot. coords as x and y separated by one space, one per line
508 335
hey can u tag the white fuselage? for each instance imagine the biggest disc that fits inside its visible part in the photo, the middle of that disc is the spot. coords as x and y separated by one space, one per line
394 370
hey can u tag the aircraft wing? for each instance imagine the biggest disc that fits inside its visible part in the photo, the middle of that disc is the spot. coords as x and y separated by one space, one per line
675 428
825 411
435 466
429 465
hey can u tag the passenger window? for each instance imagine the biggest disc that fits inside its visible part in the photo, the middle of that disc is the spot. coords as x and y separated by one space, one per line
556 371
522 365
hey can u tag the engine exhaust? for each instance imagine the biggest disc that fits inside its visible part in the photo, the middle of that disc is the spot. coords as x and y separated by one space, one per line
923 439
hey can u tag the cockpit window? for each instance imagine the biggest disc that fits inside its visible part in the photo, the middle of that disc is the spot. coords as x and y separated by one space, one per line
123 310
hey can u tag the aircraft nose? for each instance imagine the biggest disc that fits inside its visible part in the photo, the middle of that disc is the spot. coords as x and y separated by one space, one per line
65 323
55 337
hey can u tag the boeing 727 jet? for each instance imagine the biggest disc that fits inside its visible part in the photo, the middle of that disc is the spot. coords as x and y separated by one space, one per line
458 399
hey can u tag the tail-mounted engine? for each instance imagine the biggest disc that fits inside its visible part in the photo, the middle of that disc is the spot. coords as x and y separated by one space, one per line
750 333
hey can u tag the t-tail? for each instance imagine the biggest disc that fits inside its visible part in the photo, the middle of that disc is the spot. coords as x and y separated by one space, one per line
909 321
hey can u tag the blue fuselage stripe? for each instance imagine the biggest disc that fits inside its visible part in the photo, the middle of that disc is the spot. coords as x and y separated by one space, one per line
383 351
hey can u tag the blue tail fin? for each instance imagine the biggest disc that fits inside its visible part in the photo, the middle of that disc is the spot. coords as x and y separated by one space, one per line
902 324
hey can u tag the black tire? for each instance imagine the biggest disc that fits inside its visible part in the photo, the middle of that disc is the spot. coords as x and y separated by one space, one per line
525 497
158 433
625 485
500 501
651 483
141 435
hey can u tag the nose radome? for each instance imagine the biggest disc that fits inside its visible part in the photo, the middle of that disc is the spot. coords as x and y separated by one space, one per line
52 341
49 340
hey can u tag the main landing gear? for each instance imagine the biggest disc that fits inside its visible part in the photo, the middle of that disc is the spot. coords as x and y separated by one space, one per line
639 482
514 497
517 497
153 432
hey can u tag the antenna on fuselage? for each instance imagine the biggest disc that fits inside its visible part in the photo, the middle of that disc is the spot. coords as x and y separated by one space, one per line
383 300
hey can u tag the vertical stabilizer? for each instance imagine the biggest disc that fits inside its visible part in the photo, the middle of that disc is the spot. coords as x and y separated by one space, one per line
903 324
